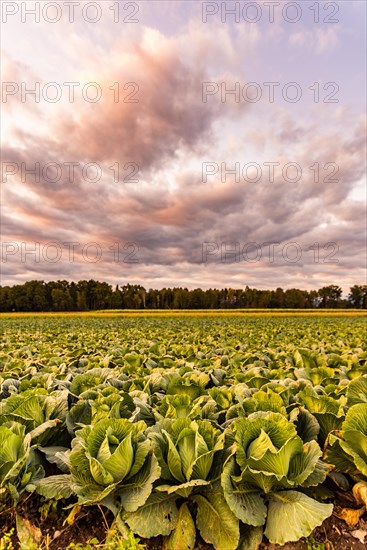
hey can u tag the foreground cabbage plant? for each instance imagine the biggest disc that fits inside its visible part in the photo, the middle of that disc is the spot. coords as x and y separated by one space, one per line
189 453
346 449
94 405
111 462
40 412
268 463
18 464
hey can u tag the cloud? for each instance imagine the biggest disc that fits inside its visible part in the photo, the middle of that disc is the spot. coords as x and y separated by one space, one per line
322 40
170 224
170 213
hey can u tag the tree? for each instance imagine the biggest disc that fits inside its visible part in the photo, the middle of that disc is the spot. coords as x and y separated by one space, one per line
61 299
116 299
330 296
91 295
358 296
81 300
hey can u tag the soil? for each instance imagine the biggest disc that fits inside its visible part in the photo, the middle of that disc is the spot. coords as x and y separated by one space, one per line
92 522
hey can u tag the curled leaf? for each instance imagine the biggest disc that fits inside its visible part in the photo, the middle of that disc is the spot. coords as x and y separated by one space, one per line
360 492
71 517
350 515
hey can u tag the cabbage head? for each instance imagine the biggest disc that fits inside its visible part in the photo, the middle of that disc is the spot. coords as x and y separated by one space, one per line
18 464
111 462
268 463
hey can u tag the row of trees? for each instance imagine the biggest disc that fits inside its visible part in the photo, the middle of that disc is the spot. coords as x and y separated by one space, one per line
93 295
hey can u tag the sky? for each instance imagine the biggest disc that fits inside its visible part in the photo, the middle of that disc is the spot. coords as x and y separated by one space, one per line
184 143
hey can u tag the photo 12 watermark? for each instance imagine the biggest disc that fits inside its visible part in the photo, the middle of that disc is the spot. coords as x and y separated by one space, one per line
69 172
54 92
70 11
54 252
269 92
270 172
270 12
272 252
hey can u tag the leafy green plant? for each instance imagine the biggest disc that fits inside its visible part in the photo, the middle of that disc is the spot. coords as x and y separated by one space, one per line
313 545
268 463
6 542
116 542
89 545
94 405
328 411
187 451
18 463
111 463
346 449
41 412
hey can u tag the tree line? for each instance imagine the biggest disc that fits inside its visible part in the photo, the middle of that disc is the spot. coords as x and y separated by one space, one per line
92 295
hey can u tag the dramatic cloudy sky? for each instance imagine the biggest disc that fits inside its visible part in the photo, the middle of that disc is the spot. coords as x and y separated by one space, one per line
166 179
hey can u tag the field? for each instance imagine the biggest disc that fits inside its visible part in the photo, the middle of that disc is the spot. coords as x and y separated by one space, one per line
182 431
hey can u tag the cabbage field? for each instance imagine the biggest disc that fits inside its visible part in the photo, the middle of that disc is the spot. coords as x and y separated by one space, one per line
178 432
